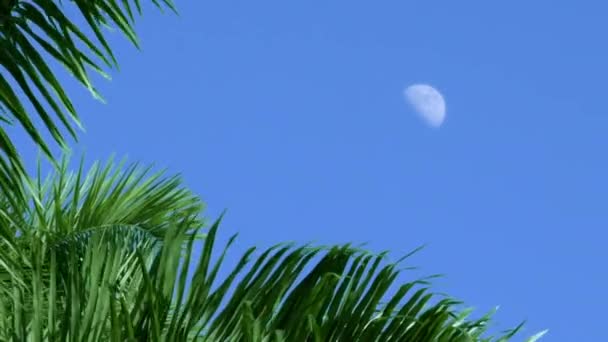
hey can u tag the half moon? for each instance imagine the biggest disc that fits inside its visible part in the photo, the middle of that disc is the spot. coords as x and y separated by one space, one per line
427 102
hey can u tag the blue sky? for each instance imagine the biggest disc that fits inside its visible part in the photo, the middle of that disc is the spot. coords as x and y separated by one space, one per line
292 117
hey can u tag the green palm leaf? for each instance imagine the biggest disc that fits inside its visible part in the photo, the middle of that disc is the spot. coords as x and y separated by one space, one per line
33 30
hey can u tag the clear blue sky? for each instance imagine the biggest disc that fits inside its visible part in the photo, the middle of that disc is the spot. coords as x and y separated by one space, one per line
292 117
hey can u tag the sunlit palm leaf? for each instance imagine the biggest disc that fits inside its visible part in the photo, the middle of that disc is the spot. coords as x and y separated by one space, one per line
70 217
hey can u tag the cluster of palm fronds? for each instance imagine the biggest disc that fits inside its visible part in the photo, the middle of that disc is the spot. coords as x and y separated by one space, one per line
105 254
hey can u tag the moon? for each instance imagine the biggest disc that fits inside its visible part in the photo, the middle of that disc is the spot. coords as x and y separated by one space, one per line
427 102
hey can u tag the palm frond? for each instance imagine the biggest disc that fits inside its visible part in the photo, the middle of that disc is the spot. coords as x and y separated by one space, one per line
73 204
32 32
60 280
339 299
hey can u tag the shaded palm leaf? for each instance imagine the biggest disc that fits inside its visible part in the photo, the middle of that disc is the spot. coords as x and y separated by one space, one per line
33 30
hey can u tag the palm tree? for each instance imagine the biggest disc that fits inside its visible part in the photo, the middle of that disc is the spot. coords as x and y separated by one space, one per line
105 254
